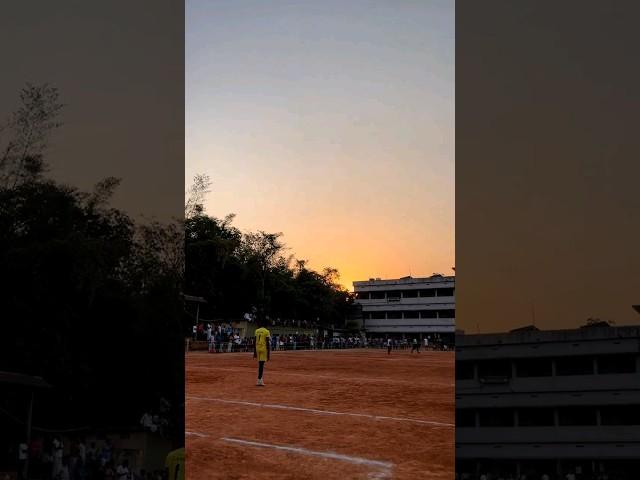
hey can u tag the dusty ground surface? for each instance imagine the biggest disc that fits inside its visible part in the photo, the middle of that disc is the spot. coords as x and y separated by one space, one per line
347 414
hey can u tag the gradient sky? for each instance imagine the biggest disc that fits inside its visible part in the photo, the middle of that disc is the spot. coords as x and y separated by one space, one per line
547 166
119 68
332 122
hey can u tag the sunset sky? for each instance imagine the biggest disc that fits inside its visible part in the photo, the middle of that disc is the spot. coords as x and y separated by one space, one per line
332 122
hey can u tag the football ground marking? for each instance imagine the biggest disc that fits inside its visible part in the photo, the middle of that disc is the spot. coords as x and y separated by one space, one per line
384 467
323 412
313 453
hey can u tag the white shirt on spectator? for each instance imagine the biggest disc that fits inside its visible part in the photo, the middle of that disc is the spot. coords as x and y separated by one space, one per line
22 451
122 472
82 451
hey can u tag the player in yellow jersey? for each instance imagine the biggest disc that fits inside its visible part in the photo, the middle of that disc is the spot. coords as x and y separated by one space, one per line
262 349
174 465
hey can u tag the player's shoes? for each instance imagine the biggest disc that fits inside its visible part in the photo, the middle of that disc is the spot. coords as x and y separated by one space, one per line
260 383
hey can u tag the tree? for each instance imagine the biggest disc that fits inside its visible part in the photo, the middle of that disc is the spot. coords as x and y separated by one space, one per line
236 272
90 298
28 130
196 194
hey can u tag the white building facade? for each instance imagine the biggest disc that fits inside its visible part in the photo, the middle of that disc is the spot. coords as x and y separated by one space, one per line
533 402
407 306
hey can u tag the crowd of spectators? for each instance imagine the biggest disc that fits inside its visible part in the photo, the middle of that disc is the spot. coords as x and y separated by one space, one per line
50 459
540 476
303 341
223 337
428 343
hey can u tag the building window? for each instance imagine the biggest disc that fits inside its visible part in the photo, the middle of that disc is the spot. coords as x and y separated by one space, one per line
464 370
377 295
536 417
411 314
574 366
533 367
585 416
430 292
393 296
428 314
394 315
410 294
465 417
444 292
446 314
608 364
620 415
494 368
362 295
378 315
495 417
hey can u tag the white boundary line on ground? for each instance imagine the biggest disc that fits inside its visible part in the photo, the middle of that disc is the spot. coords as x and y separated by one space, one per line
332 377
322 412
315 453
303 451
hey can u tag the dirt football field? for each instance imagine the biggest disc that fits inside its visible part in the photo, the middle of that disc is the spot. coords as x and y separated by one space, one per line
332 414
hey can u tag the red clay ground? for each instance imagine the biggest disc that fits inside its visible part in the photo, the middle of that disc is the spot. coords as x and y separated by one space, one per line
346 414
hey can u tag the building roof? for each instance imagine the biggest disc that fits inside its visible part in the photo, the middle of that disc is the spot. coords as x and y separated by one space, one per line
404 280
523 336
528 328
24 380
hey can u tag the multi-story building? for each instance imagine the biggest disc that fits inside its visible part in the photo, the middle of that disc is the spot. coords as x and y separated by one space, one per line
408 306
549 402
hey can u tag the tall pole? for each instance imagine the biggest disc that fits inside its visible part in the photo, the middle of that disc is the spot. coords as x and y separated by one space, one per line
29 419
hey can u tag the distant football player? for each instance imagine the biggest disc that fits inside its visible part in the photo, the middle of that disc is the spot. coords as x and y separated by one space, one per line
389 346
262 348
415 345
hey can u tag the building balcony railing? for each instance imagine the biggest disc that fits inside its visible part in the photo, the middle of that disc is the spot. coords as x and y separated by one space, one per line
551 434
570 383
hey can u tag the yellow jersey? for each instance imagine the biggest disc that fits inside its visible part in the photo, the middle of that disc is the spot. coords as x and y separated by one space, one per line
262 337
175 464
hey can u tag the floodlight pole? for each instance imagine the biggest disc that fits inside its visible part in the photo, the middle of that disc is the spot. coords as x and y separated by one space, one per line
29 420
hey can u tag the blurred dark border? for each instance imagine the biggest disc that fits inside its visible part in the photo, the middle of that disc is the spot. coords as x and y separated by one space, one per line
91 235
547 239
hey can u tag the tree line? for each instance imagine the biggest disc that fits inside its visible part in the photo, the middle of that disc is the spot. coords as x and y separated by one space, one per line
242 272
90 298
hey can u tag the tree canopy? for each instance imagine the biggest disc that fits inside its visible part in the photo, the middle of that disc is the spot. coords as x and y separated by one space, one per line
237 272
90 298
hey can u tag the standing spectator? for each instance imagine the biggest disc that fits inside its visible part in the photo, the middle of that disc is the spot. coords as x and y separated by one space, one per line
64 470
58 450
109 471
107 452
147 422
82 451
23 455
122 472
